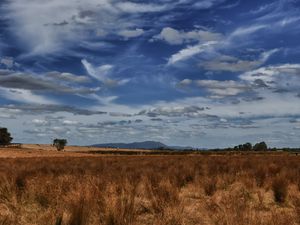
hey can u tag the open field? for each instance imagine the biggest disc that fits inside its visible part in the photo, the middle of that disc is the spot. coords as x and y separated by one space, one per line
43 150
49 187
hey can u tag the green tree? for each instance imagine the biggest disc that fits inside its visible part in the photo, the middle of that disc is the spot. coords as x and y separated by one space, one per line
5 137
261 146
59 144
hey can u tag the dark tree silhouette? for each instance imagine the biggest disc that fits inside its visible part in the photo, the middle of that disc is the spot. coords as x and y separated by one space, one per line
262 146
247 147
5 137
59 144
244 147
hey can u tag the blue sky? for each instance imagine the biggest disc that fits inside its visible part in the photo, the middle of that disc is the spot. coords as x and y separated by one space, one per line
205 73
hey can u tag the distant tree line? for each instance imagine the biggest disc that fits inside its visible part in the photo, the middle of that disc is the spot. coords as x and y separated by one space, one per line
6 139
261 146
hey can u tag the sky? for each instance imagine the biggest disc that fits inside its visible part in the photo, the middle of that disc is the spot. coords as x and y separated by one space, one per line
201 73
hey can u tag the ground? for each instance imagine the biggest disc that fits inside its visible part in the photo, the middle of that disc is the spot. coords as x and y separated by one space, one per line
76 187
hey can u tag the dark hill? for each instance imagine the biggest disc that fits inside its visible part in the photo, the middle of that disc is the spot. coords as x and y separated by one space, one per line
134 145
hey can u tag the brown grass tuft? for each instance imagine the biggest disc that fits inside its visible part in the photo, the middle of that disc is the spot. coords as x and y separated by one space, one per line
280 189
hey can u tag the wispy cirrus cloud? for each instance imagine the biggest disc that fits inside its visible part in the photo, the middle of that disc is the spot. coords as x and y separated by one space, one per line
189 52
233 64
103 73
59 25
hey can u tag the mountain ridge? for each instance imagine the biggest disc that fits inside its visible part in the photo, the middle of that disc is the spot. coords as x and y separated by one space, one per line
142 145
134 145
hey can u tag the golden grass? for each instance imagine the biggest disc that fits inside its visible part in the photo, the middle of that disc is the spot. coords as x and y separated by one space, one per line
62 189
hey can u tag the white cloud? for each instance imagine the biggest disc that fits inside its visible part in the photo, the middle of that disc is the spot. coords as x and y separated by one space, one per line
185 83
285 77
131 7
220 89
189 52
233 64
40 122
242 31
131 33
53 27
100 73
68 77
175 37
170 35
210 42
7 61
24 96
103 74
70 122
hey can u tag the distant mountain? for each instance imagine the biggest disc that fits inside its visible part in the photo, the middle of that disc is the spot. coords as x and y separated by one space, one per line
180 148
134 145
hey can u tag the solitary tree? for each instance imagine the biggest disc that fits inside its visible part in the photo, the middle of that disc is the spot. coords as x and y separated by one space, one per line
5 138
59 144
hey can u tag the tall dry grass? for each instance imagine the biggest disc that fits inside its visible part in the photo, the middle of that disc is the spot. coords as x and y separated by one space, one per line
155 190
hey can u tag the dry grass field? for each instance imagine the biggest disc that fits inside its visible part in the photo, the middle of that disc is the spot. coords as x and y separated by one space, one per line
68 188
